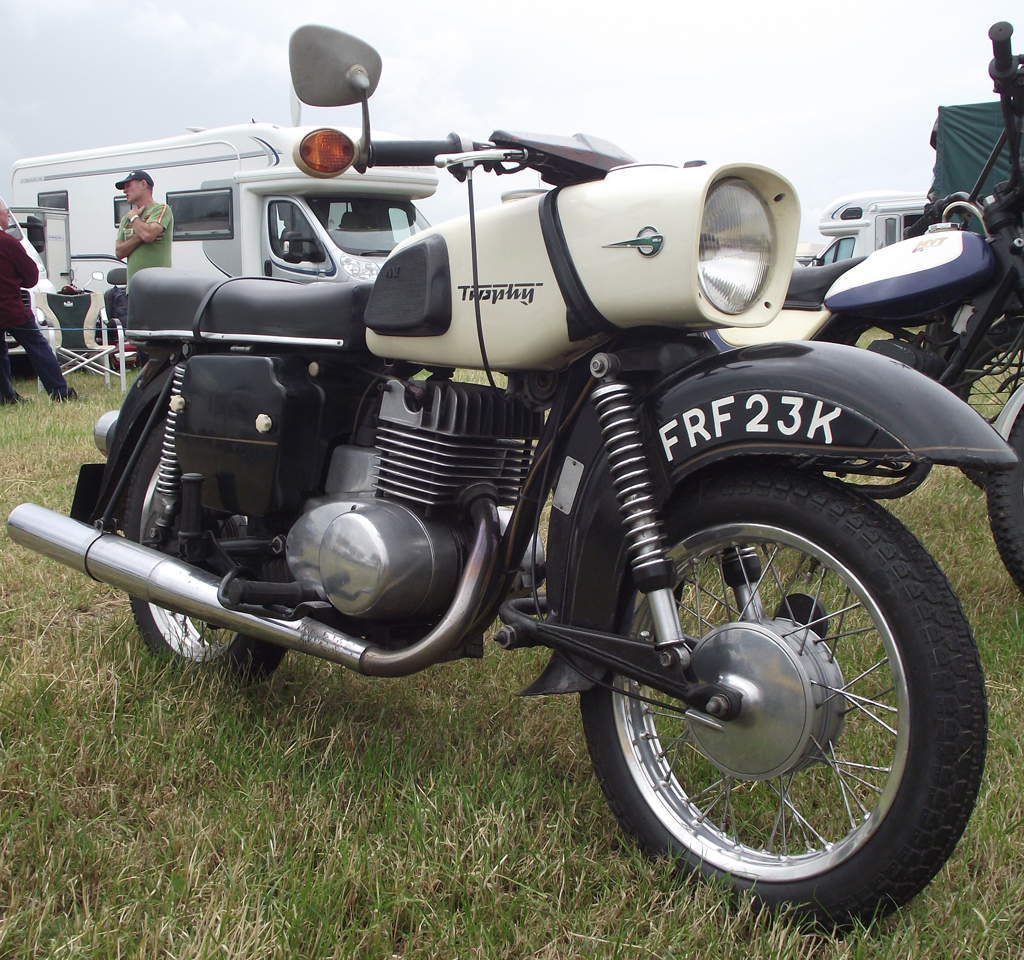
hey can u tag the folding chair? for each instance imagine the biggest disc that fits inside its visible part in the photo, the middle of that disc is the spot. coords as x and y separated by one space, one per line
73 320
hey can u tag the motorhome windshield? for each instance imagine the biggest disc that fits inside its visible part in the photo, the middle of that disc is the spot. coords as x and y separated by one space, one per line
366 227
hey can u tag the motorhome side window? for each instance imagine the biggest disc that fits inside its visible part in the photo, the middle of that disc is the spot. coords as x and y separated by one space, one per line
121 207
202 214
55 200
366 227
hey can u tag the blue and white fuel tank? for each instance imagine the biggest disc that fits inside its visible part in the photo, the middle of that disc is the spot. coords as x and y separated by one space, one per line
914 277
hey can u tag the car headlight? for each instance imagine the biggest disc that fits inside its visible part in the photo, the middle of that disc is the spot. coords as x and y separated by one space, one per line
359 269
737 246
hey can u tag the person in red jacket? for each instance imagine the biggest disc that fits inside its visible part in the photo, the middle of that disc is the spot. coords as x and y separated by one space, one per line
18 270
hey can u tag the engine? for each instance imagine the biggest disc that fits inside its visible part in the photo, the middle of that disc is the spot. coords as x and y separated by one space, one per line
385 542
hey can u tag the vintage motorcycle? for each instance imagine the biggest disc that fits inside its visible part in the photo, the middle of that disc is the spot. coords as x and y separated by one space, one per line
950 301
778 685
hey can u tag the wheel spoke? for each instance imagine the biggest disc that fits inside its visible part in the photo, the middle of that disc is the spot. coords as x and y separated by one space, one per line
846 792
800 820
862 702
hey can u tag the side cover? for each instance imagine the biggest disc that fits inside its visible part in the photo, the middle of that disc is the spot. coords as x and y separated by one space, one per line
250 426
797 401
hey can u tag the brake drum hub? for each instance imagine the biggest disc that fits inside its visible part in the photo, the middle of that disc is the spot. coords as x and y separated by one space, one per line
790 711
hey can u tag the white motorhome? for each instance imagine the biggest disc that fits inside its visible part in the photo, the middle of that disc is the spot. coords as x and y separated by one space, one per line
862 223
243 204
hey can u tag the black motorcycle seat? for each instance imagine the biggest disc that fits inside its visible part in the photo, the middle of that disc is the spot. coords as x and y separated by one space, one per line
808 286
168 303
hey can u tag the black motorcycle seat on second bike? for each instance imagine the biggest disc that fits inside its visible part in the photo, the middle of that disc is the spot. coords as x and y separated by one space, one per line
808 286
167 303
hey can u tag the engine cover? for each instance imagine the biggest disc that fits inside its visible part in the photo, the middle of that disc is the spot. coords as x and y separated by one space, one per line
374 559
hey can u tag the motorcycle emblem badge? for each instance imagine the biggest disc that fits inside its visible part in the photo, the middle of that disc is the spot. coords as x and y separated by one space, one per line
648 242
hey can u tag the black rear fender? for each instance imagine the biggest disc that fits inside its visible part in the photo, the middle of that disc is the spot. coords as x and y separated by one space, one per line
131 421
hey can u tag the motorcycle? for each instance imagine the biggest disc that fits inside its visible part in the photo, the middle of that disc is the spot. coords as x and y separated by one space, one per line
778 686
951 301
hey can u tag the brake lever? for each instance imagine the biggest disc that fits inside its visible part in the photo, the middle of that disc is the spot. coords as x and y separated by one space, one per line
474 158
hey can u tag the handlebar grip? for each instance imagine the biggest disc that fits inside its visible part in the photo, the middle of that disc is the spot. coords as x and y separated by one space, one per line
1002 53
412 153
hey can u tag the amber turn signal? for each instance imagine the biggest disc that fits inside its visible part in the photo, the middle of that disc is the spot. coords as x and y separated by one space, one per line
324 153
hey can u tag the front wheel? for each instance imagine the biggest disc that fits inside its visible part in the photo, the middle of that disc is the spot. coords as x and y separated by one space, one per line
850 774
166 632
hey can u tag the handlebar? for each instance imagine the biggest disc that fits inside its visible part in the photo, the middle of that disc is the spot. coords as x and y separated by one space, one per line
1002 53
413 153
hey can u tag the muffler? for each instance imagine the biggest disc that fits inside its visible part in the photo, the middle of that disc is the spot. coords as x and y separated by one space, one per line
170 583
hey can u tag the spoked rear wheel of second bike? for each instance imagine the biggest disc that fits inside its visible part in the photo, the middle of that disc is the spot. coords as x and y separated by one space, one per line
850 775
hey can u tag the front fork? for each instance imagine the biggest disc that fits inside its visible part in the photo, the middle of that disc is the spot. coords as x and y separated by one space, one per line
653 573
741 570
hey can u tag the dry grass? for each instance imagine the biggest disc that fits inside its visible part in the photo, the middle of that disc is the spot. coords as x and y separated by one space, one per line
153 810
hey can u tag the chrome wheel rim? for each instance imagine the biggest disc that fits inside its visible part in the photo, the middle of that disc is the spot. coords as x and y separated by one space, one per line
832 798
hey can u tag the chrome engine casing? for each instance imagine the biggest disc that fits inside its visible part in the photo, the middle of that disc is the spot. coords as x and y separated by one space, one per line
375 560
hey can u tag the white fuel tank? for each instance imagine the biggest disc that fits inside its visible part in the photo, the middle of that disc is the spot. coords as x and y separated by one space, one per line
630 246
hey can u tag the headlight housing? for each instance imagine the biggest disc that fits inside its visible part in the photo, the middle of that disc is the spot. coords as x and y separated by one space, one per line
737 246
359 269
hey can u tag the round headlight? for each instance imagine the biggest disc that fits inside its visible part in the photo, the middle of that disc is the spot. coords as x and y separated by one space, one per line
737 246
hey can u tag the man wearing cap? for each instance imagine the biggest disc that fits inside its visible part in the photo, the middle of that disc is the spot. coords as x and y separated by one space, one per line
144 234
18 271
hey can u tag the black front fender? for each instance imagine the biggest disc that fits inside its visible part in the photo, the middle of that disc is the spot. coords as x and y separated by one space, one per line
715 410
816 400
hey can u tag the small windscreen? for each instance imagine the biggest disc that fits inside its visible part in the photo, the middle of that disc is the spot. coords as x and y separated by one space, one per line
366 227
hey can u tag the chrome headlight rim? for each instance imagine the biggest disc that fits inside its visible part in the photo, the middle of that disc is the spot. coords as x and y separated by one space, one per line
737 246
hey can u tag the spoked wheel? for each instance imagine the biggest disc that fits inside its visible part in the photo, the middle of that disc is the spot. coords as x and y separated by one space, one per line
853 767
166 632
992 375
995 370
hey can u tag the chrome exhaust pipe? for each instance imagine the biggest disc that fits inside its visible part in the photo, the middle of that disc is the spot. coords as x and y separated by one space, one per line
170 583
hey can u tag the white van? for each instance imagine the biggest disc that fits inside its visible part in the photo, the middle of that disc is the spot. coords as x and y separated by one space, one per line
242 206
862 223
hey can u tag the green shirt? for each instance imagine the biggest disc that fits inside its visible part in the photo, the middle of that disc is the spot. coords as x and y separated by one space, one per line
155 254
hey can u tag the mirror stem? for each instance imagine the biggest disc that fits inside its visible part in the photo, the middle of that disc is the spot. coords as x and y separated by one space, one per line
364 153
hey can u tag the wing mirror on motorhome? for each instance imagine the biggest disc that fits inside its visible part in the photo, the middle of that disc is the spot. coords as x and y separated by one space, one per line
334 69
299 249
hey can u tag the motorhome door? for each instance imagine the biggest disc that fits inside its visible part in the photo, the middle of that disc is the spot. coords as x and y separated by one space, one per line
291 245
47 231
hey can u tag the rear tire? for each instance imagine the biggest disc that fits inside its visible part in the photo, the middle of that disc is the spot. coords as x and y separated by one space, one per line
853 818
173 634
1005 492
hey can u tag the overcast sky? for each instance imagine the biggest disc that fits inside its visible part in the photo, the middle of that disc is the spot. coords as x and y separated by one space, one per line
836 97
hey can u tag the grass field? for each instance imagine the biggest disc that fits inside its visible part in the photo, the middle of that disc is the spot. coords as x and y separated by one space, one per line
150 809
